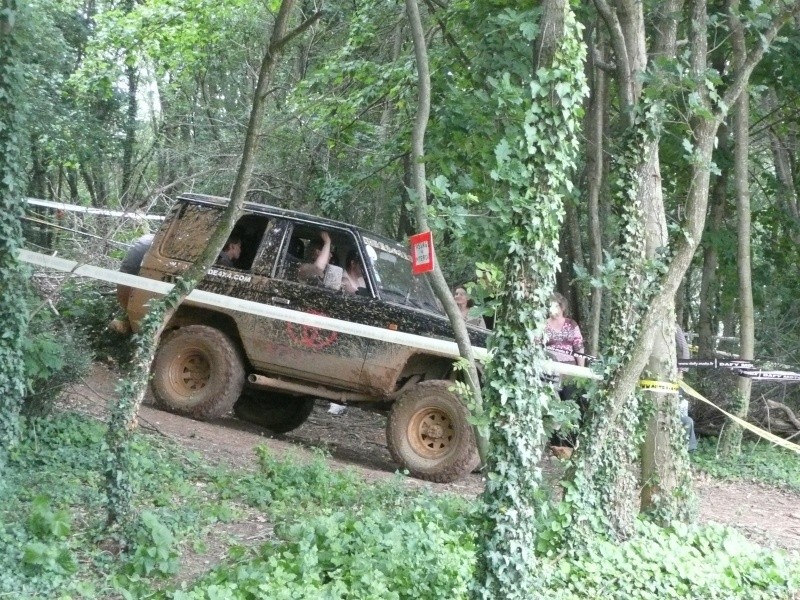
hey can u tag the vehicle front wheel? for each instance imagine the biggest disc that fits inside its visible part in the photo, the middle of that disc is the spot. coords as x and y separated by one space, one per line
428 433
198 371
280 413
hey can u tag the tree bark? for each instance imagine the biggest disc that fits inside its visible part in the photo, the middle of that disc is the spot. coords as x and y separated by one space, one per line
706 321
732 436
436 277
13 308
596 119
124 414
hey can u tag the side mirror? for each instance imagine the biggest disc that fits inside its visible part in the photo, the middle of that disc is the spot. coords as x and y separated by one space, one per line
333 277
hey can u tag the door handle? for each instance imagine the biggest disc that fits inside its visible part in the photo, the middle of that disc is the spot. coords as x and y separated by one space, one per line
279 300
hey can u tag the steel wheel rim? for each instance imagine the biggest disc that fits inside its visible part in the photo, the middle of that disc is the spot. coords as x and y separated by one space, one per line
190 373
431 433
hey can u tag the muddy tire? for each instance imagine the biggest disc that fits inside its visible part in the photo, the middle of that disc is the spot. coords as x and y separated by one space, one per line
280 413
198 371
428 433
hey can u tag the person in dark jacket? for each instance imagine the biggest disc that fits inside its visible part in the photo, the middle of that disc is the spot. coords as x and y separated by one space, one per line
130 265
231 252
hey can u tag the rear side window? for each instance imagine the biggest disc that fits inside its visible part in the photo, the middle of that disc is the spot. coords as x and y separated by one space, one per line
193 226
190 231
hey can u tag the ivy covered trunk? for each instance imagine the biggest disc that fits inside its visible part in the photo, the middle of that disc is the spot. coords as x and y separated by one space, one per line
605 481
13 309
535 162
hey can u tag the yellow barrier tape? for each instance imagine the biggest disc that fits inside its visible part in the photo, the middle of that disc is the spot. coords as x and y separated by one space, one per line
778 441
665 387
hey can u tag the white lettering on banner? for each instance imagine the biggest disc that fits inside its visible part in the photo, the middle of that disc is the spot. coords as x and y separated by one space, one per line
230 275
433 346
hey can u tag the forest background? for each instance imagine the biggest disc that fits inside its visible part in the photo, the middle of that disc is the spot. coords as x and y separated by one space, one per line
128 104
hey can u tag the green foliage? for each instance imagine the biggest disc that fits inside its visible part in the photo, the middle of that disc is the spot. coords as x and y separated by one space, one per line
48 531
153 551
758 461
55 356
677 562
335 535
89 306
52 516
366 554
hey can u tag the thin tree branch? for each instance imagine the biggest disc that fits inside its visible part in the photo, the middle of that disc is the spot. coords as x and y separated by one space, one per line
277 45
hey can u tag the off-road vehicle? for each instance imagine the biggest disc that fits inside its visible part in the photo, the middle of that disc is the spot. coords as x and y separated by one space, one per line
270 371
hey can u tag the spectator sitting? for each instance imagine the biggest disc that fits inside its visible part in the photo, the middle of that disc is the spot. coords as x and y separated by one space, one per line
563 342
563 336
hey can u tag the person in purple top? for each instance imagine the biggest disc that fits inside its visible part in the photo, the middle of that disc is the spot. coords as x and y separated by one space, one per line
563 337
564 343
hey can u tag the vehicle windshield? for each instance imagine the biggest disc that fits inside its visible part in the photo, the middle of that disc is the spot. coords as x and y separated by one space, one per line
392 267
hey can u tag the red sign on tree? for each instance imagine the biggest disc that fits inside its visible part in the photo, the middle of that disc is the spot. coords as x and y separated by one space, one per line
422 255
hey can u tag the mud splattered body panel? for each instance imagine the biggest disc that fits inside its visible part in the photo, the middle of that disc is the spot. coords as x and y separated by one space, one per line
272 243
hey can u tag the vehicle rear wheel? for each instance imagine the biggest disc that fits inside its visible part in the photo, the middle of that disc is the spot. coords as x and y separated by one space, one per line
428 432
198 371
280 413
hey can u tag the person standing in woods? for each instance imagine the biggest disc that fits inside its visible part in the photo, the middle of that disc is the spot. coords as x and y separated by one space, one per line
682 350
130 265
464 303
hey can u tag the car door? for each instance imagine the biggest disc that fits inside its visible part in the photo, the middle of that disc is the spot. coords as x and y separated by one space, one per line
301 351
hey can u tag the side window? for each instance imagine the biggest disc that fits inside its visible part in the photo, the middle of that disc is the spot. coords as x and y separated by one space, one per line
192 228
183 241
243 243
309 258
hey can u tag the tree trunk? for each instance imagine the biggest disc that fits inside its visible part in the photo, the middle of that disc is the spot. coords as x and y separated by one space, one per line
706 321
536 171
596 120
13 308
124 414
129 144
436 277
731 444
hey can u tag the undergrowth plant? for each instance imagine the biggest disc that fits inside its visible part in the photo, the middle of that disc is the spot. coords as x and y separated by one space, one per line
331 534
759 461
55 355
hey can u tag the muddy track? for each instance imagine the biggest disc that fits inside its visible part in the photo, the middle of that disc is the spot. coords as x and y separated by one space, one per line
356 440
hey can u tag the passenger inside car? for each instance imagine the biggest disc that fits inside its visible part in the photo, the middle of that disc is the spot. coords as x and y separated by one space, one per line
353 278
318 255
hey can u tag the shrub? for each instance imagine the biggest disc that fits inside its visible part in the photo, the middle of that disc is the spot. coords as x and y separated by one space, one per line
758 461
56 355
89 307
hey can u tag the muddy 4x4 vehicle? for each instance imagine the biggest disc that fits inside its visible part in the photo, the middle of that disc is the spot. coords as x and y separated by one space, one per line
270 371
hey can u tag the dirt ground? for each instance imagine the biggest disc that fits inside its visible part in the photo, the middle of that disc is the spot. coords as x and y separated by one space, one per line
355 440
